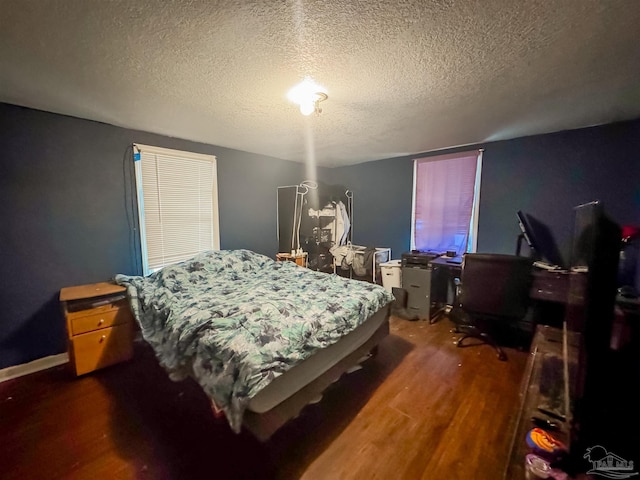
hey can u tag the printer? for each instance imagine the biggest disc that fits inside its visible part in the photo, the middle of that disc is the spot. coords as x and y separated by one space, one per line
418 259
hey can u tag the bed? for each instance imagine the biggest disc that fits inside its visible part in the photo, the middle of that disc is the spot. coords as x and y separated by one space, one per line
262 338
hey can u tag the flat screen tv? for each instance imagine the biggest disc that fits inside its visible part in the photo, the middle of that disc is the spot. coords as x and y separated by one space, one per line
540 240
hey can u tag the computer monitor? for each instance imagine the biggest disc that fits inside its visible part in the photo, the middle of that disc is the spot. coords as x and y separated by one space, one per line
539 238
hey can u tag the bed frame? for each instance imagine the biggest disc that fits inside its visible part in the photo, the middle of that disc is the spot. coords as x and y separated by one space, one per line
263 425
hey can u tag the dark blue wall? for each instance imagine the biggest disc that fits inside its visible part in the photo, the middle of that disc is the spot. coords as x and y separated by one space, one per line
63 219
544 176
382 192
547 175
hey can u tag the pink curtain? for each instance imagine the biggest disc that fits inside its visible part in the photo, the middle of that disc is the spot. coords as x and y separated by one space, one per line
444 201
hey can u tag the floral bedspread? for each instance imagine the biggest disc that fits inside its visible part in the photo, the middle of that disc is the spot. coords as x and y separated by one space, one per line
235 320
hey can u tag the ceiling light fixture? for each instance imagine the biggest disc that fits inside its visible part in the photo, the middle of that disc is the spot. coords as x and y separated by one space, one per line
308 95
312 104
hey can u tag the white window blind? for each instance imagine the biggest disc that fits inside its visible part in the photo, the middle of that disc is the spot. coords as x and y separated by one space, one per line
177 204
445 200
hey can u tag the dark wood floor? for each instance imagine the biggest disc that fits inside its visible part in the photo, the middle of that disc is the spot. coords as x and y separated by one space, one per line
421 408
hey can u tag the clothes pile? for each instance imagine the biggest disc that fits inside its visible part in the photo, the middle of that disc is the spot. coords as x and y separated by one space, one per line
356 257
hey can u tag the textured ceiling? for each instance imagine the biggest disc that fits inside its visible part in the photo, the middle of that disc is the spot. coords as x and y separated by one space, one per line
402 76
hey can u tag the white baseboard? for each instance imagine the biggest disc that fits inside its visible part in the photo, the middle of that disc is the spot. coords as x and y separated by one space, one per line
33 367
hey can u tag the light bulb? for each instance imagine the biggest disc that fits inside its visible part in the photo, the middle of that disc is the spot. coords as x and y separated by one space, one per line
307 108
307 94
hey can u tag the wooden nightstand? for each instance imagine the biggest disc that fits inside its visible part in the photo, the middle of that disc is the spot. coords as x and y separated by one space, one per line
299 259
99 325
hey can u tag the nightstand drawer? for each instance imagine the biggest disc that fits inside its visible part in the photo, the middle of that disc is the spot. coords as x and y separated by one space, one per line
102 348
89 323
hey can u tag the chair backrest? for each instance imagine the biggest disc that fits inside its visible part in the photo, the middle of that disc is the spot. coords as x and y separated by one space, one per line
495 284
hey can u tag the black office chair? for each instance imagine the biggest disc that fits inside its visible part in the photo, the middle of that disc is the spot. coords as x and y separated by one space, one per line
493 292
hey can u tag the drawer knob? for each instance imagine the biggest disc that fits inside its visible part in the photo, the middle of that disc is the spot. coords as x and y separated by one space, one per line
103 338
101 321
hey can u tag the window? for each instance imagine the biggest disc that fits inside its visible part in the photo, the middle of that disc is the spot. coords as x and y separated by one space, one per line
177 205
445 202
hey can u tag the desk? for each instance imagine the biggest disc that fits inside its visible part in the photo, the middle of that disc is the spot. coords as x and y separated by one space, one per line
563 288
558 296
557 286
443 287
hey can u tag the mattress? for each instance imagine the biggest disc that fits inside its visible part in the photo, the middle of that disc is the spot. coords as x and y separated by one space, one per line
236 321
311 368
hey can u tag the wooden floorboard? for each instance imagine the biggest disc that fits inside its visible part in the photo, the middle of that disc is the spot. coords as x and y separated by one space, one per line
422 408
